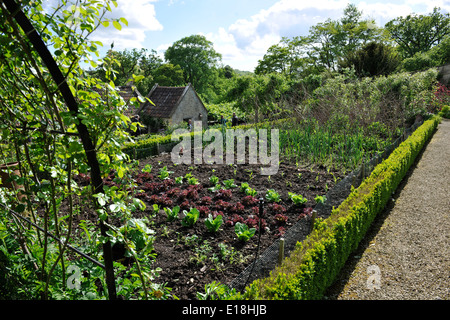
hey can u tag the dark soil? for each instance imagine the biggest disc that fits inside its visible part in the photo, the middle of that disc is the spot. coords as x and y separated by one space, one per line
188 265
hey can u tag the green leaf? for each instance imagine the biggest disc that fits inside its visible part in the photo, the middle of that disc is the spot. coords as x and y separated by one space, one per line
114 207
120 172
117 25
124 21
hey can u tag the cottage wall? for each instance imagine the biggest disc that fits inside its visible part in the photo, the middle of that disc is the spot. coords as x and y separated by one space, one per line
444 74
190 107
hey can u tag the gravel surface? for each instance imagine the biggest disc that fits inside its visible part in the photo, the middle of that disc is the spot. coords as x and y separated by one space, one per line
405 255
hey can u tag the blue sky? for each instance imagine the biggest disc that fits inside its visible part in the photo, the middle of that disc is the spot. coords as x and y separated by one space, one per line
241 30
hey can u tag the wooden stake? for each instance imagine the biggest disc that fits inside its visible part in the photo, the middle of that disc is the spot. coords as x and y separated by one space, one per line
313 220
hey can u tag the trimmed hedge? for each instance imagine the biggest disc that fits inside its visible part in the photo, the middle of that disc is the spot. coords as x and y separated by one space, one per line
149 147
315 263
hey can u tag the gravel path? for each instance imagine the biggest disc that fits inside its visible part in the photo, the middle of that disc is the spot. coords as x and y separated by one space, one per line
405 256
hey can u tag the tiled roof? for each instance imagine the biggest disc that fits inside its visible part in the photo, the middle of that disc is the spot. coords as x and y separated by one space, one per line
127 92
166 99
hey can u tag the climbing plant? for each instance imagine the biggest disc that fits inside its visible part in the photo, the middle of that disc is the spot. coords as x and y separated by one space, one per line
61 127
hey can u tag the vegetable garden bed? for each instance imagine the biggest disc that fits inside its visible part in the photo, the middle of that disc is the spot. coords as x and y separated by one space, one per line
190 256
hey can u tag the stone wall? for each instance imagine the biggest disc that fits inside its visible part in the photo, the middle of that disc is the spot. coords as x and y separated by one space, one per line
444 74
190 107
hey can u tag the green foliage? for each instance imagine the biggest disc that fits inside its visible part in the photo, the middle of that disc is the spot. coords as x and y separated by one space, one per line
286 57
445 112
256 94
373 59
243 232
320 199
196 57
440 53
172 214
419 61
131 62
213 224
138 235
169 75
436 56
164 173
229 184
297 199
190 217
214 180
272 196
215 111
419 33
337 38
54 170
216 291
245 188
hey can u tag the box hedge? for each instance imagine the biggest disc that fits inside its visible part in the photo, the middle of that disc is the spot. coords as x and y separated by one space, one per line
315 263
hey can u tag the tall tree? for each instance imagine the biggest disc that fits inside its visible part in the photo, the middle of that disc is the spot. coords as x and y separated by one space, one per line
333 39
196 57
288 57
169 75
419 33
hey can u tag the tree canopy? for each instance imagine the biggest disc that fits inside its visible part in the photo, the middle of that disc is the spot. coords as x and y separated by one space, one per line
196 57
419 33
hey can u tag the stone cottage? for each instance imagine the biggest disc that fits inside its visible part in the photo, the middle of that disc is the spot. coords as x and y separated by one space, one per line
174 105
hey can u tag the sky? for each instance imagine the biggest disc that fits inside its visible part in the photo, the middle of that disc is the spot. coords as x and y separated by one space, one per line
241 30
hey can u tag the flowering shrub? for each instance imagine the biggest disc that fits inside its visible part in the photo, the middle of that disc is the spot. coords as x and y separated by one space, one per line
442 95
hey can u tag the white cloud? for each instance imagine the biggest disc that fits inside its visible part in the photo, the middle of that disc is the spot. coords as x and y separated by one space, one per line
241 58
247 40
141 17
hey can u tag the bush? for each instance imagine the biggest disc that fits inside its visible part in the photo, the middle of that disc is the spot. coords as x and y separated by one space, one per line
445 112
420 61
372 60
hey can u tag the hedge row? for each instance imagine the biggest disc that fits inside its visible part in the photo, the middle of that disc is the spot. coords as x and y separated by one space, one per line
315 263
149 147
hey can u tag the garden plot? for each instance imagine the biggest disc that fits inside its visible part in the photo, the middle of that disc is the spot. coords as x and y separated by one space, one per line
190 252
